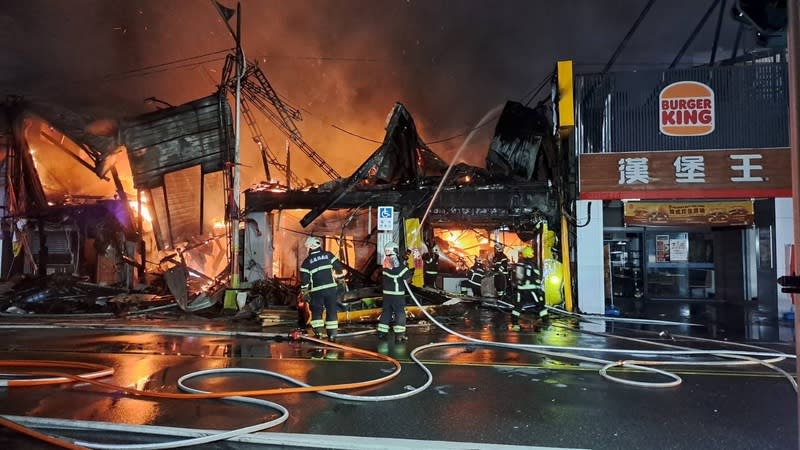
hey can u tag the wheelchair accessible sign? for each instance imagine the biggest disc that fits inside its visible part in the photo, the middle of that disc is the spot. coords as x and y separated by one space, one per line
385 218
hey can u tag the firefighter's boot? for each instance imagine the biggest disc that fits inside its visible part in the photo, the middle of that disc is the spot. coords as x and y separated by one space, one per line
382 335
544 314
400 338
317 332
332 335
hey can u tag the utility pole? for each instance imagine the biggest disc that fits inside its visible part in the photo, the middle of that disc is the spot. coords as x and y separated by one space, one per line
226 14
235 244
288 168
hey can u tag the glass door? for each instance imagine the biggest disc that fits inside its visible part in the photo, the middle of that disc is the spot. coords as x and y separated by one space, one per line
680 264
624 274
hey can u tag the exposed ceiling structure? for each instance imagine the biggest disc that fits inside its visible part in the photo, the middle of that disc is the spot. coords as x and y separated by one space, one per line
515 191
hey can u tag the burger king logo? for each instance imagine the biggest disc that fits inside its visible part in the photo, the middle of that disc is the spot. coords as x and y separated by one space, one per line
686 108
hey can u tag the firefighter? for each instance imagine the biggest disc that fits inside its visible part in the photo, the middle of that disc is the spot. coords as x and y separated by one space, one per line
318 280
500 269
395 272
430 261
472 285
529 287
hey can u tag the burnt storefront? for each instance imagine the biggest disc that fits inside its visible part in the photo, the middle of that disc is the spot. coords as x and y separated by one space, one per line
462 210
117 205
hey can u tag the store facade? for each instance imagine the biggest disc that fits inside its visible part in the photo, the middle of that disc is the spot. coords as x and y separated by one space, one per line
684 187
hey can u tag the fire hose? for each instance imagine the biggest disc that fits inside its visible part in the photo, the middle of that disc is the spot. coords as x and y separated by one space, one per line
192 393
742 357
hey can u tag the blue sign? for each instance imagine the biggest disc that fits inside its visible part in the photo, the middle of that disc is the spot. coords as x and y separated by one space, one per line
385 218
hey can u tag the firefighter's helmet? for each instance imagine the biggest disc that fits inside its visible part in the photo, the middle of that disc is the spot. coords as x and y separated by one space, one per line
313 243
390 249
527 252
498 246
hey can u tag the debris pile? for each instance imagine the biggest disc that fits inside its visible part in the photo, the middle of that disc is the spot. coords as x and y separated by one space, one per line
69 294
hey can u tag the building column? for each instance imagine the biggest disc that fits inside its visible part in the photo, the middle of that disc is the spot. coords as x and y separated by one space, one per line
591 288
784 238
258 246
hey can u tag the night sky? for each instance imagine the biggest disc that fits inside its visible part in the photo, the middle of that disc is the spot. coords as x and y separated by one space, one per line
343 62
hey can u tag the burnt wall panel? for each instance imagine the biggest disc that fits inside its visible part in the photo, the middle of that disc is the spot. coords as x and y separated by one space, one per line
619 112
196 133
183 203
161 220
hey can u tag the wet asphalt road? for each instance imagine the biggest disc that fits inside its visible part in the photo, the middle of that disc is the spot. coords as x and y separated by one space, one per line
479 395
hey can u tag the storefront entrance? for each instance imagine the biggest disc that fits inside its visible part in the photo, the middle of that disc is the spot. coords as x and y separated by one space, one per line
663 263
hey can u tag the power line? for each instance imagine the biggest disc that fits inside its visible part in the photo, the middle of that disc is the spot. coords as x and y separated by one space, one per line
190 62
464 133
174 61
327 58
153 72
337 127
355 135
535 91
532 94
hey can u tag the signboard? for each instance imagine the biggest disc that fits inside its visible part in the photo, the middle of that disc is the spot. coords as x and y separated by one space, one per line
662 248
686 108
742 173
385 218
730 213
565 97
679 248
384 237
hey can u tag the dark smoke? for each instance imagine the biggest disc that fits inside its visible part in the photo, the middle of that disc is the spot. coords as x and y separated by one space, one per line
344 62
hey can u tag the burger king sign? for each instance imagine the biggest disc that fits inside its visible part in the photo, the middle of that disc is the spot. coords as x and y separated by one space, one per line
686 108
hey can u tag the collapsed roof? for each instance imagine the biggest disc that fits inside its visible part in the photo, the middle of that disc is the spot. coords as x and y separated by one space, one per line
514 191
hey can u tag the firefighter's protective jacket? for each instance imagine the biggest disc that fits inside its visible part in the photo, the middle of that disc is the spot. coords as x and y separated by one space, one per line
393 279
431 263
528 276
475 274
317 271
500 263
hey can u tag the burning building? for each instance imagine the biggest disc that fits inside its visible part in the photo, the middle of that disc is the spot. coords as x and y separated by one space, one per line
149 198
462 209
118 202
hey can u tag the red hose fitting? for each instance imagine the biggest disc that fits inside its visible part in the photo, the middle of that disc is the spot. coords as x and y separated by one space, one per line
295 335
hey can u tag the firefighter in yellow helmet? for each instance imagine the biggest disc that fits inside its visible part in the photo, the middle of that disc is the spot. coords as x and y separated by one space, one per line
318 275
528 279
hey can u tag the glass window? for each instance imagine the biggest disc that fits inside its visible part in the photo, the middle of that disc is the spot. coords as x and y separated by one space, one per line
680 264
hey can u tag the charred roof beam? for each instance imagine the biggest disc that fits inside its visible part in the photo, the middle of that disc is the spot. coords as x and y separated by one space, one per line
465 206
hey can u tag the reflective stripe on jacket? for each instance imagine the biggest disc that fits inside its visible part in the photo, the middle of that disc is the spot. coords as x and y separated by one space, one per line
475 275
